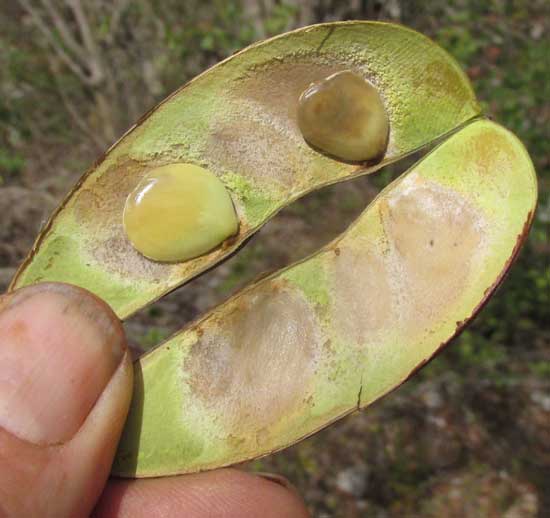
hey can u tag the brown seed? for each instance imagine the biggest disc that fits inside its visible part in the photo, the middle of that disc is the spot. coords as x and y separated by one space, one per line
344 116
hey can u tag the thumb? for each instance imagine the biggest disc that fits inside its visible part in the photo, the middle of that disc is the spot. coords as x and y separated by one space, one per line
65 388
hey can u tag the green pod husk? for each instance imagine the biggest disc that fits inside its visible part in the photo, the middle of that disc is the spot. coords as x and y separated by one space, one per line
331 334
238 120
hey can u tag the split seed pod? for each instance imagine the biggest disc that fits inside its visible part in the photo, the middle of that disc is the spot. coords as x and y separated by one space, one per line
331 334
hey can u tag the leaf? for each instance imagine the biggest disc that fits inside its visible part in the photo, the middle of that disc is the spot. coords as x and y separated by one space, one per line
335 332
238 120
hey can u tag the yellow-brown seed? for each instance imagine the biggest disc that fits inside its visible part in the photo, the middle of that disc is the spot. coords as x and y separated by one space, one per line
343 115
177 212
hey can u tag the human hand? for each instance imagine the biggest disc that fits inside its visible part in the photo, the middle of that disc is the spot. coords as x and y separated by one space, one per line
65 388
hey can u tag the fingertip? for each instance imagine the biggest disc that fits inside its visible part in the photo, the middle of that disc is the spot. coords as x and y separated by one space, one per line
65 389
60 347
228 492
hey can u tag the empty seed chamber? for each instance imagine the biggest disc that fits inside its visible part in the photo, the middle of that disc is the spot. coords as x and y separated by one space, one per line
204 170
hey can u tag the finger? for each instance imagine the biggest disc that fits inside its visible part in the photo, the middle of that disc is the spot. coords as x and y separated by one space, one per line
226 493
65 388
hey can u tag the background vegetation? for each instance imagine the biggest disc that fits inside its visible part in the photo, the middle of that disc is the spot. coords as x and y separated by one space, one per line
470 435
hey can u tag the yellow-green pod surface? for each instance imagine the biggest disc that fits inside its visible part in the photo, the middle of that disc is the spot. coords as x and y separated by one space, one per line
333 333
238 120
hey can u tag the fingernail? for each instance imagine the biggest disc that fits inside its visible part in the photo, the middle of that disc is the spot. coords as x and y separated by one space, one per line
59 347
277 479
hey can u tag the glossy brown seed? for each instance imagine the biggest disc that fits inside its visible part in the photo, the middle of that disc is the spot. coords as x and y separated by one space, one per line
343 115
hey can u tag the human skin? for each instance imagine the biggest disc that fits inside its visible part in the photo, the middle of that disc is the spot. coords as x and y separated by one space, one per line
65 388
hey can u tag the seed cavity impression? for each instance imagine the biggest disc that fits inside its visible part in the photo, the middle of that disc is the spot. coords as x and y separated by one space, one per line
343 115
178 212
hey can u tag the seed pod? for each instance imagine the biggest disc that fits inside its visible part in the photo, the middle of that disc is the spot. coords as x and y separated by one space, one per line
328 335
238 120
335 332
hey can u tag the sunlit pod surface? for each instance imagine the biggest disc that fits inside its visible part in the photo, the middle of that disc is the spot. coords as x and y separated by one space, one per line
335 332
